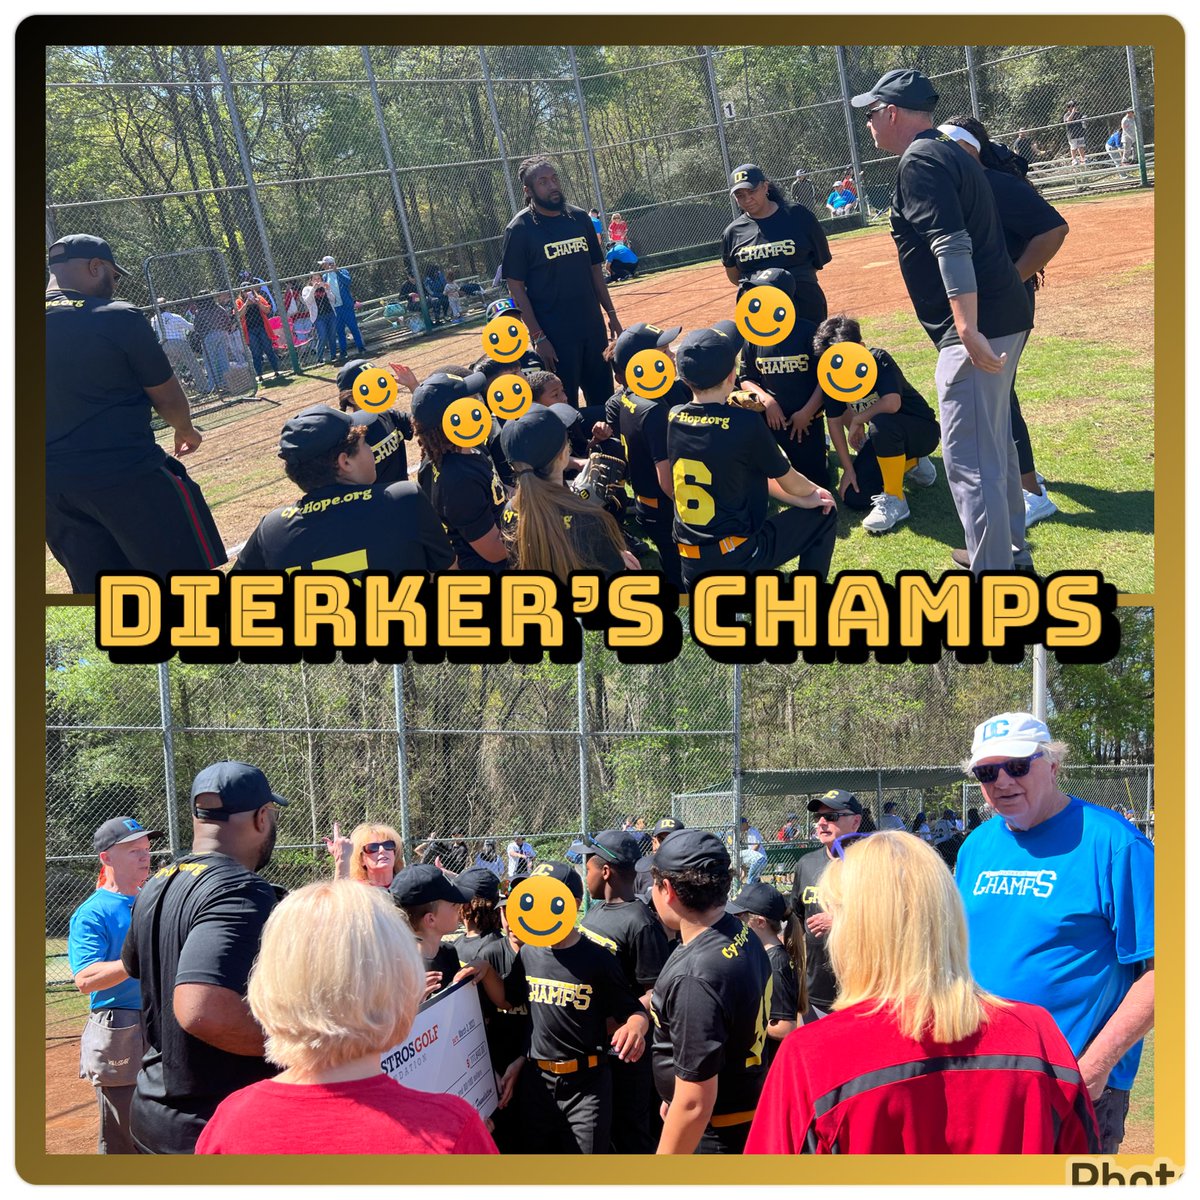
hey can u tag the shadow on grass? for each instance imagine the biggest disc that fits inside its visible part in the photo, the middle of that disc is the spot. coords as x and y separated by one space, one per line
1107 511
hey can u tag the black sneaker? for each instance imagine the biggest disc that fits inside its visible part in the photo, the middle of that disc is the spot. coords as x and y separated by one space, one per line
963 560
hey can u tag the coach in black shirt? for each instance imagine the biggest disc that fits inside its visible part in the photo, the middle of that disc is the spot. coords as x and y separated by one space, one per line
971 301
114 500
552 262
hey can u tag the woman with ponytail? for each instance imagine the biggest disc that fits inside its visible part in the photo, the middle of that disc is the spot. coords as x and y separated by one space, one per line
546 526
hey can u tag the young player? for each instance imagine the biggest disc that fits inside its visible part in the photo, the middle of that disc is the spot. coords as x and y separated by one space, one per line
893 431
387 431
431 903
725 464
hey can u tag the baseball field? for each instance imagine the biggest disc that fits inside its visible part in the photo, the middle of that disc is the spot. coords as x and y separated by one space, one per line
1086 384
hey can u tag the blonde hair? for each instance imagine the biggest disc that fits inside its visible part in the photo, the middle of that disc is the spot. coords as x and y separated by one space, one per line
367 832
899 937
339 975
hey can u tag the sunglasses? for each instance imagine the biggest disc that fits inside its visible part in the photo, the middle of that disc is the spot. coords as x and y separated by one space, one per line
375 847
831 817
877 109
840 845
1015 768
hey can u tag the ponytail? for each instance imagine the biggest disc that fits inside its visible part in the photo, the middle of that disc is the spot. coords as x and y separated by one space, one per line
773 193
793 943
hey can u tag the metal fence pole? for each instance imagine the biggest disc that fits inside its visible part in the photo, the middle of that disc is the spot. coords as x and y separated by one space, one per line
50 238
1038 707
1135 101
855 163
585 791
716 103
252 191
587 138
397 194
168 733
969 51
491 99
736 850
402 760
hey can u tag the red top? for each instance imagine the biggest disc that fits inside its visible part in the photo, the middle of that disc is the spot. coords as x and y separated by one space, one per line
365 1116
851 1083
617 230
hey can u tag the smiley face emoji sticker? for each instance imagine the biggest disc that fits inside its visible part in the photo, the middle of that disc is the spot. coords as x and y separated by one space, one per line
374 390
542 909
765 315
505 338
650 374
847 371
466 421
509 396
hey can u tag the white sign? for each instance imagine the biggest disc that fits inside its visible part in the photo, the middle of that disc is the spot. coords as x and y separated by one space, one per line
728 110
446 1050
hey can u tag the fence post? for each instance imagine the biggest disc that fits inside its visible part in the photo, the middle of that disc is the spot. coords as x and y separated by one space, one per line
1038 705
969 52
716 103
878 795
1136 103
402 759
585 790
491 99
252 191
1149 793
735 852
50 238
587 138
168 733
855 163
397 195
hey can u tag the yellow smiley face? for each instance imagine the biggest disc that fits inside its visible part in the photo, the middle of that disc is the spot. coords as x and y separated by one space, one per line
509 396
650 374
374 390
505 338
466 421
765 315
541 910
847 371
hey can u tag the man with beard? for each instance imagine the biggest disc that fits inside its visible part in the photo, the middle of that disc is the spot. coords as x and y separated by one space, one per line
114 500
193 937
554 267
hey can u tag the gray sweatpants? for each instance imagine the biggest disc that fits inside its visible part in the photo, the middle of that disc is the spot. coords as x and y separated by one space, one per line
980 455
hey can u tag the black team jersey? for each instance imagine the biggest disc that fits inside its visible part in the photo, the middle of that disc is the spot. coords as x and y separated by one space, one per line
642 427
629 931
785 995
571 993
939 191
791 238
1023 215
349 528
806 901
788 371
386 434
709 1011
445 960
468 498
508 1030
890 379
721 458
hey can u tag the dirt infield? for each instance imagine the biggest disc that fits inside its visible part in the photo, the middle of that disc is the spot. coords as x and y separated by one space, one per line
1101 280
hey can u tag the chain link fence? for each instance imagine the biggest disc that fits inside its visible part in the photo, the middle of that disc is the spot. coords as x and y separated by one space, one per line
216 167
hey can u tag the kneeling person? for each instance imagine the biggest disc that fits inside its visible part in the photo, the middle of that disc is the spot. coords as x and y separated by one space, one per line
724 465
344 521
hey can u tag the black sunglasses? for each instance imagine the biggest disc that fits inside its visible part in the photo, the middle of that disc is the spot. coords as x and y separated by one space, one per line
878 108
375 847
1015 768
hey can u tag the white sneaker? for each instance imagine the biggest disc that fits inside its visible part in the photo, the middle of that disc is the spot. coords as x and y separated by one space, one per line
1037 508
885 512
924 474
1040 478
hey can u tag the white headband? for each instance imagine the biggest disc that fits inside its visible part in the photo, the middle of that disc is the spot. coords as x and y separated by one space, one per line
960 135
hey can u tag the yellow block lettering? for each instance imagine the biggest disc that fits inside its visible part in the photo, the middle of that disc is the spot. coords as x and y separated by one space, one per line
456 609
921 601
320 602
626 602
858 604
705 595
526 601
196 591
1008 603
401 605
117 594
248 605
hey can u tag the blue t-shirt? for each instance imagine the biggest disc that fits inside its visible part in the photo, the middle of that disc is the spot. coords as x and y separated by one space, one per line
621 253
1060 915
97 933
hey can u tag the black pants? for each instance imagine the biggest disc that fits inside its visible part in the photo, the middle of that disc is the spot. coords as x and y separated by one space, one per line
569 1114
157 522
654 525
1111 1110
891 435
729 1139
809 455
635 1105
580 364
807 534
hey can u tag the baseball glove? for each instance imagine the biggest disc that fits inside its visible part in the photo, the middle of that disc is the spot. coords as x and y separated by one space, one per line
602 479
746 400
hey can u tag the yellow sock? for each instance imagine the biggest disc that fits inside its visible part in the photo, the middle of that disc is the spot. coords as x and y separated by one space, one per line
892 469
909 463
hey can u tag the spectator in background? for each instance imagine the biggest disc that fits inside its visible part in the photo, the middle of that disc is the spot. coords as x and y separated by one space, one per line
490 859
890 820
1113 146
847 184
371 854
594 213
789 830
112 1045
213 324
840 202
457 857
253 309
454 293
435 293
175 333
338 983
1128 137
804 191
620 263
920 827
520 857
338 281
1076 139
256 280
973 819
618 230
754 857
324 318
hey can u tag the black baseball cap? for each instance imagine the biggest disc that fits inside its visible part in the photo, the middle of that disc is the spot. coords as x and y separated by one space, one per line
688 849
748 175
120 829
564 873
568 414
642 336
902 87
760 899
837 799
706 357
423 884
312 432
615 847
667 825
242 788
439 391
536 438
479 881
83 245
775 277
350 372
